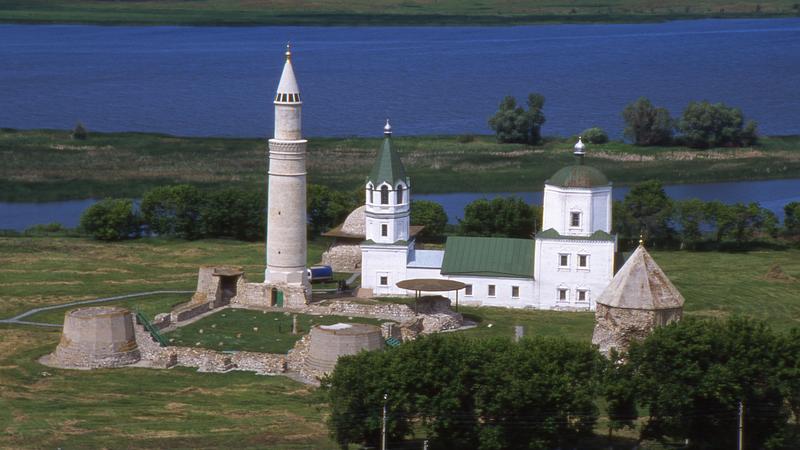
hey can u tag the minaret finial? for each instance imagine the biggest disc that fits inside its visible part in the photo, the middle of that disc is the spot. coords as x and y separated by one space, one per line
580 150
387 129
288 51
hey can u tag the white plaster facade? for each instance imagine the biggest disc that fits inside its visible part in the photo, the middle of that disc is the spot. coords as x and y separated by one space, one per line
573 258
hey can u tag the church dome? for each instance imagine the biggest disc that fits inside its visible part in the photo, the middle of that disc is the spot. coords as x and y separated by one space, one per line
355 222
578 176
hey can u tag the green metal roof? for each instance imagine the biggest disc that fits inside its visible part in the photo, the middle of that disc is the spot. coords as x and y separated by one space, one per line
388 167
551 233
579 176
488 256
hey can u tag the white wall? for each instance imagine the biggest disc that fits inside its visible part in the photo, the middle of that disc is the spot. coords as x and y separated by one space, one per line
551 276
383 260
396 216
594 205
480 291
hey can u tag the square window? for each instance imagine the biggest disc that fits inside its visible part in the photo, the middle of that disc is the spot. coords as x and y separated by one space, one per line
384 230
563 260
583 260
583 295
575 219
515 291
468 289
384 281
491 290
562 294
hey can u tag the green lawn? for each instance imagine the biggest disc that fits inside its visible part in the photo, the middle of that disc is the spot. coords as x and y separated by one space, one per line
42 271
378 12
44 407
42 165
255 331
149 306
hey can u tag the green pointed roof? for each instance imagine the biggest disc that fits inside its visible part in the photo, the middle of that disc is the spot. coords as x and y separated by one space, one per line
388 167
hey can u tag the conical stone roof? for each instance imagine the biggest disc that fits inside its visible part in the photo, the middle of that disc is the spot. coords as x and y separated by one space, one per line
641 284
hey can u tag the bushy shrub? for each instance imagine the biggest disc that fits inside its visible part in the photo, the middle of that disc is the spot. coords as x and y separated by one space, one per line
432 216
111 220
79 132
705 125
647 125
595 135
173 211
513 124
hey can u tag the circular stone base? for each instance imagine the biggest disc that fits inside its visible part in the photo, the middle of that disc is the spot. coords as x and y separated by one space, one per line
95 337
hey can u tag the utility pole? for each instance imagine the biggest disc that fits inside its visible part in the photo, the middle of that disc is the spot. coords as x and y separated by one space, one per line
383 425
741 426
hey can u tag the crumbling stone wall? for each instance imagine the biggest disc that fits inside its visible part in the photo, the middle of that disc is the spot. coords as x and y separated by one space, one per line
343 256
618 327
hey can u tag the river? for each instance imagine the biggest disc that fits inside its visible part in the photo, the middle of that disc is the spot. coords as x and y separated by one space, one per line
202 81
771 194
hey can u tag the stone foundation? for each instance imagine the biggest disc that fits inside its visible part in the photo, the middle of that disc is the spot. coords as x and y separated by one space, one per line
329 343
101 336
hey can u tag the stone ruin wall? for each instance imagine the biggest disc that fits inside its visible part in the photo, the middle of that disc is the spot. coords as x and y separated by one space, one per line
619 327
343 256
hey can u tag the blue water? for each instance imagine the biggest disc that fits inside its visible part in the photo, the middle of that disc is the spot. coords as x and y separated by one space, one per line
771 194
220 81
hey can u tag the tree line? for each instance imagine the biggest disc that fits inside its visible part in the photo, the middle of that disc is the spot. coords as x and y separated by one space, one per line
702 124
187 212
648 212
686 380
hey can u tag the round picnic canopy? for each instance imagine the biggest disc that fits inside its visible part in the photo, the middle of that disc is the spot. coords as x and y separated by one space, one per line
430 285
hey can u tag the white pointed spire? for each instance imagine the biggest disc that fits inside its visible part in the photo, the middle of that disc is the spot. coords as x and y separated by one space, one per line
288 91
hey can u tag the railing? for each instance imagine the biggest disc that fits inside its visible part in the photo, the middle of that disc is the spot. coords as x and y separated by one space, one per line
151 329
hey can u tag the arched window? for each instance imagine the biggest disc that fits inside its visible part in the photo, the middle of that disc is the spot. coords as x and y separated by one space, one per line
385 195
399 194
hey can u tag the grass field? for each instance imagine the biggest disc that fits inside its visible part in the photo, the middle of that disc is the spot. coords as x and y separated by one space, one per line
180 408
378 12
254 331
40 165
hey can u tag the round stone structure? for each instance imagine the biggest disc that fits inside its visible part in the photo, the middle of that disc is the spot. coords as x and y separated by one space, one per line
329 342
94 337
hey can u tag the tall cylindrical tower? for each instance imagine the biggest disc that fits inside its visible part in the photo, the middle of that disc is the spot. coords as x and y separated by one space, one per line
286 209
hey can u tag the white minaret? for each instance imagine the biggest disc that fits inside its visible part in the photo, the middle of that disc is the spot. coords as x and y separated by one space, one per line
286 209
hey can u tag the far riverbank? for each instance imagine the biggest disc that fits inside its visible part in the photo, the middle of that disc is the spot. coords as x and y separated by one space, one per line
377 13
47 165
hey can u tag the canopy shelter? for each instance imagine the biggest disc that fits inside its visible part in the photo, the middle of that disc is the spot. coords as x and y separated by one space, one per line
418 285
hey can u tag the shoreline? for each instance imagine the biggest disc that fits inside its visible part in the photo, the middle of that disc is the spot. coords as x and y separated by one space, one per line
47 165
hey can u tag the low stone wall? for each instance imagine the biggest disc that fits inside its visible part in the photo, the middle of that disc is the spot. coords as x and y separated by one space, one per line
387 311
188 311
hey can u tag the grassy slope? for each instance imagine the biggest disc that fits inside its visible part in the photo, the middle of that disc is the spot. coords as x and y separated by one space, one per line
378 12
41 165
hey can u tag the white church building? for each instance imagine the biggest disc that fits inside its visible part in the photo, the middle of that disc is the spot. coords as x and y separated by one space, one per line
564 267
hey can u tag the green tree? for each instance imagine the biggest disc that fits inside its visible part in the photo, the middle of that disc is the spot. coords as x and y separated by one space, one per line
538 394
233 213
706 125
432 216
619 390
692 374
691 215
327 208
646 210
595 135
502 216
174 211
791 219
80 132
647 125
512 123
111 220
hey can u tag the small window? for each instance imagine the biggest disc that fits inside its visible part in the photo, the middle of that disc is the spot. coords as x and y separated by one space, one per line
575 219
385 195
563 294
491 290
384 230
563 260
583 295
468 289
399 194
583 260
514 291
384 281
